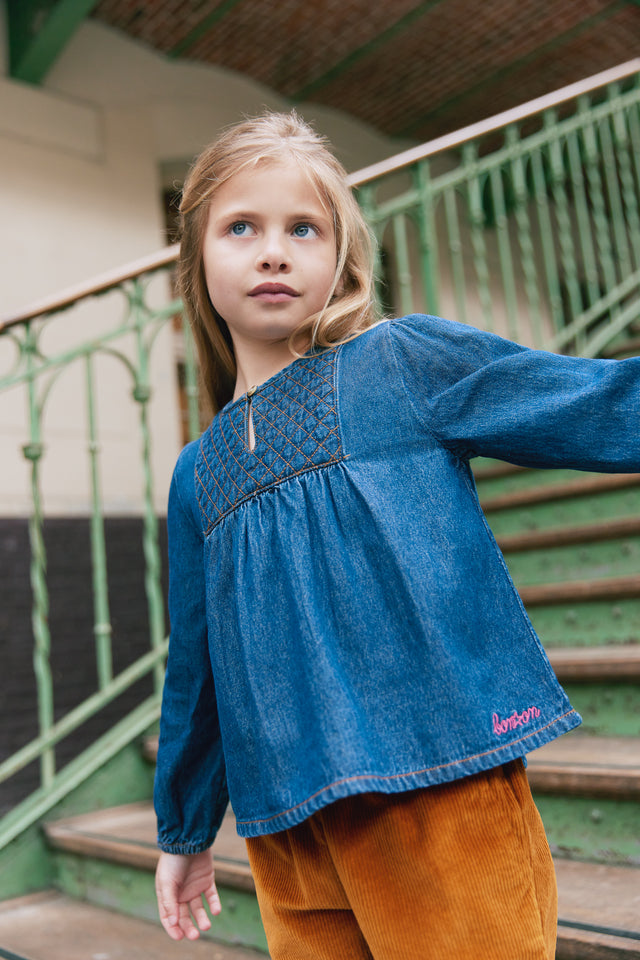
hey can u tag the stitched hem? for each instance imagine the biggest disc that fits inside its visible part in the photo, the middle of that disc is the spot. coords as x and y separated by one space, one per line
409 780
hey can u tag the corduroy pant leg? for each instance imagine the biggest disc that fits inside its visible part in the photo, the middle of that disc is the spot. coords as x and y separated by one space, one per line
304 909
458 871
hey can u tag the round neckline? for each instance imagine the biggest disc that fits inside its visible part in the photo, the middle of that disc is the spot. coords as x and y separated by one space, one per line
259 387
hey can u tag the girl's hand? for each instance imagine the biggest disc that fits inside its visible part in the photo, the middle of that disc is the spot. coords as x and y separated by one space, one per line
181 883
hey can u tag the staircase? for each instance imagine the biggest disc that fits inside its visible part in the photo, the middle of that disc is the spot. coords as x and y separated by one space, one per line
572 543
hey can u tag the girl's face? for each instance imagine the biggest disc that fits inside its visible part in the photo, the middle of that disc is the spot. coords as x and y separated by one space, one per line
269 253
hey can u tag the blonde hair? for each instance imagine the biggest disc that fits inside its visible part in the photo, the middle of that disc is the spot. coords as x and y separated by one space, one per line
349 310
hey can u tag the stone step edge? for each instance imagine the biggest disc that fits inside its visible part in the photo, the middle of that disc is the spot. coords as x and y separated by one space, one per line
580 591
584 780
583 664
590 533
133 853
602 483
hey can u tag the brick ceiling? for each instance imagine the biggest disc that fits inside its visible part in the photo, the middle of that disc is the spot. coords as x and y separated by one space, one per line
411 69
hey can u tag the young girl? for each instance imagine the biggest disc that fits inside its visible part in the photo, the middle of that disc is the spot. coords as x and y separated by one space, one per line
350 663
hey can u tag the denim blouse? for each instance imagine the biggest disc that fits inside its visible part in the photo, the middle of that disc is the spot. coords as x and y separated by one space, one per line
342 620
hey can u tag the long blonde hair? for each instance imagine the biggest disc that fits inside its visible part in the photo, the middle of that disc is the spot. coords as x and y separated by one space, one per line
349 309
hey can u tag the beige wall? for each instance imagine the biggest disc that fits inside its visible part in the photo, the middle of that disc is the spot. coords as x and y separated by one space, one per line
83 160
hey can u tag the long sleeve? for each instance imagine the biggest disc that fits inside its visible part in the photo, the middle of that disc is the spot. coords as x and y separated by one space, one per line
190 793
481 395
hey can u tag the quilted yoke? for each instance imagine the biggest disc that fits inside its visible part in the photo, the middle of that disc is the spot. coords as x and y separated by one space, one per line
296 429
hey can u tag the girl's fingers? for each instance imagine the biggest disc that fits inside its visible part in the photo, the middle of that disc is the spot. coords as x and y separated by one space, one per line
199 913
214 901
187 926
168 910
170 924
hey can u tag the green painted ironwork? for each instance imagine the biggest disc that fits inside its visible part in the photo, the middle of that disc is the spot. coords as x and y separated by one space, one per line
528 228
130 341
102 624
39 31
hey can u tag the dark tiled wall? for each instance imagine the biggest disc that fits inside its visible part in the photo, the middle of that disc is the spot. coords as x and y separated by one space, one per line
69 579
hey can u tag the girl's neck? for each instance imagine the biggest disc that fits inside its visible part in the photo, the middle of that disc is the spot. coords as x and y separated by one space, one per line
256 365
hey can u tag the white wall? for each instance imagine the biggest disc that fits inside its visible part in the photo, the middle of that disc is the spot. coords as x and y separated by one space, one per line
83 160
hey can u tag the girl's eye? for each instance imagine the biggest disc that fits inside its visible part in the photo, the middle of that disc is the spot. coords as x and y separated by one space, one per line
240 229
303 230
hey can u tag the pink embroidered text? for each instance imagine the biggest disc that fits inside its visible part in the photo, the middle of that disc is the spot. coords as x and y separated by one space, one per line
515 720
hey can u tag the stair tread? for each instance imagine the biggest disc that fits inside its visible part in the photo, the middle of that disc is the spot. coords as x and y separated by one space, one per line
603 897
548 492
606 662
127 834
550 537
575 591
133 825
51 926
582 764
581 749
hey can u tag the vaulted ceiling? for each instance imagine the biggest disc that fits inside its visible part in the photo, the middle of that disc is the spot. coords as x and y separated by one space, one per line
410 68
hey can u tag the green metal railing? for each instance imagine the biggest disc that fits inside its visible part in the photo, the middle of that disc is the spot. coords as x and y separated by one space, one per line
36 373
527 224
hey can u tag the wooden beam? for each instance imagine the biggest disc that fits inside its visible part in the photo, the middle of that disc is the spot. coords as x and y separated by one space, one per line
38 32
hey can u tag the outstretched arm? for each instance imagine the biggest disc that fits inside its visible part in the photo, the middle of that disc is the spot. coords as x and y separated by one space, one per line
481 395
183 883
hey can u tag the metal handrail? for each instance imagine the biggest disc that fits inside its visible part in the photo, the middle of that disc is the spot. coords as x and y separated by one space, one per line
89 288
493 123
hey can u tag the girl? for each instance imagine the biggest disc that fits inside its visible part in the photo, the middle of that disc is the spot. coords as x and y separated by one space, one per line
349 661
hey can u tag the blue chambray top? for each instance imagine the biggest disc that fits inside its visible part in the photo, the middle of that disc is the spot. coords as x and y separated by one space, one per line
342 619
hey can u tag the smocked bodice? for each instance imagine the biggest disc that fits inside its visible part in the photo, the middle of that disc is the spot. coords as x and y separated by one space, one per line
295 424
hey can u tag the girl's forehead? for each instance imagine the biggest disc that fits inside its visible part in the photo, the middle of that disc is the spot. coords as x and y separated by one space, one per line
267 184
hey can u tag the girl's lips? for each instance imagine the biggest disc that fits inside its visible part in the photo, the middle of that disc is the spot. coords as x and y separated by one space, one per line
273 292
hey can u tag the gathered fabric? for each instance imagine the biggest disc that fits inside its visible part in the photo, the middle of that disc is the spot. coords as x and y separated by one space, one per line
342 620
459 871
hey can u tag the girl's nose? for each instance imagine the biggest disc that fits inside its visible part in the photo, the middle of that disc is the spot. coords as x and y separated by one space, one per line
273 255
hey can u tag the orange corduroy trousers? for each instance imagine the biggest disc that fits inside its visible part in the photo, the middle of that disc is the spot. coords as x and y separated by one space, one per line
455 872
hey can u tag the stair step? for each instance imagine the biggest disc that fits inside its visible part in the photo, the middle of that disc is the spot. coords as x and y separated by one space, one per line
580 487
51 926
587 766
598 911
613 662
603 899
574 591
568 536
127 835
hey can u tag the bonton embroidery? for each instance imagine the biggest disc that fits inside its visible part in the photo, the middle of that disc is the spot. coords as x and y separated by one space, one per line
515 720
